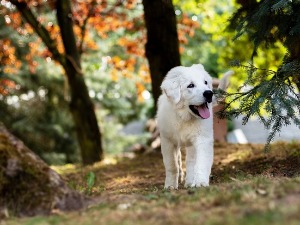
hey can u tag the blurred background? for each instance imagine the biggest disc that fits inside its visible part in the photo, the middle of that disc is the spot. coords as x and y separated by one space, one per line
111 37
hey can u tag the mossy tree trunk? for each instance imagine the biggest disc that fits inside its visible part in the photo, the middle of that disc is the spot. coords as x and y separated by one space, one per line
28 186
162 47
81 106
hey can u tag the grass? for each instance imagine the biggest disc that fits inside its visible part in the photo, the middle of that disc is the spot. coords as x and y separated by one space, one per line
248 186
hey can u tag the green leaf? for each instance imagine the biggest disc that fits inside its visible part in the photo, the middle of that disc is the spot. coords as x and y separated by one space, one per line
90 181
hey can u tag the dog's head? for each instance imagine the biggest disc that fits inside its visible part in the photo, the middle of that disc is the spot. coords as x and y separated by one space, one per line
190 88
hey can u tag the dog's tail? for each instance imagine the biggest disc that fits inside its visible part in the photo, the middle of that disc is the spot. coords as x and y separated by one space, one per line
224 81
223 85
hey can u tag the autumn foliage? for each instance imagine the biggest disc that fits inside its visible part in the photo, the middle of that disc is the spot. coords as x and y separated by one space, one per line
93 20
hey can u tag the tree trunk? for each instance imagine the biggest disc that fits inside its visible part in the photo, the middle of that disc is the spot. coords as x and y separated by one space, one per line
29 187
81 106
294 55
85 120
162 47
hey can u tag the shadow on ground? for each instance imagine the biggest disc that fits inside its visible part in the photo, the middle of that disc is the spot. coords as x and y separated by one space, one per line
145 172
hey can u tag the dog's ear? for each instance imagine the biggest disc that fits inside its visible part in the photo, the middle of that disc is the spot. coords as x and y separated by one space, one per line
198 66
171 85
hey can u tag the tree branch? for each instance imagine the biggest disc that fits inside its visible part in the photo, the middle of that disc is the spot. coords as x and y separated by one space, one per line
41 31
65 22
83 27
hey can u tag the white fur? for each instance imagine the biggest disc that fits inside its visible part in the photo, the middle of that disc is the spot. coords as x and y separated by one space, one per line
180 127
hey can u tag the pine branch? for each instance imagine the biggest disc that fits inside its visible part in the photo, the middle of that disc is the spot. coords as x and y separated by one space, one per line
280 5
274 101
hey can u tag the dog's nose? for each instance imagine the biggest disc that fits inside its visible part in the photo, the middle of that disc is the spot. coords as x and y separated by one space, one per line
208 95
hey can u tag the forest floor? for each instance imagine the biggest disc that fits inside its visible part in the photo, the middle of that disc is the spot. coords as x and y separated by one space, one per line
248 186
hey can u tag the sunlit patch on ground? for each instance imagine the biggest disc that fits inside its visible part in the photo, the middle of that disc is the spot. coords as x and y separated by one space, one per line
73 168
240 155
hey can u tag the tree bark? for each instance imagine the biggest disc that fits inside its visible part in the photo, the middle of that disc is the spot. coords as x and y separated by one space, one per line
81 106
29 187
162 47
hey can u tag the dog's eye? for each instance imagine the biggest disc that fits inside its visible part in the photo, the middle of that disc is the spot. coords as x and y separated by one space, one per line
191 85
205 82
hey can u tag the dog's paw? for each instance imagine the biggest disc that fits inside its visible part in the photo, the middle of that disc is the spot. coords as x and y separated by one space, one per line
202 184
189 184
201 180
197 182
170 188
196 185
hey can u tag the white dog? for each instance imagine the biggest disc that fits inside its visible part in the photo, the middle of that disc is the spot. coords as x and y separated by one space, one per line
185 119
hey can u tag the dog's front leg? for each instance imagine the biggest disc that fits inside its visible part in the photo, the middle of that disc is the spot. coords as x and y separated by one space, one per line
170 159
190 161
204 159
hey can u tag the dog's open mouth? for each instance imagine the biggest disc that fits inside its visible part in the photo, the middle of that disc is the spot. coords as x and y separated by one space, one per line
201 110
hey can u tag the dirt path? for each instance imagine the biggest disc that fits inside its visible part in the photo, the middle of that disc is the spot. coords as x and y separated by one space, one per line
232 161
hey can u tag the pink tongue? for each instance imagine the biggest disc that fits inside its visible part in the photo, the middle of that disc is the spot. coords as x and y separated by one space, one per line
203 111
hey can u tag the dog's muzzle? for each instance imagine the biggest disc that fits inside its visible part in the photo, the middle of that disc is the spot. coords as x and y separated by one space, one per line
202 110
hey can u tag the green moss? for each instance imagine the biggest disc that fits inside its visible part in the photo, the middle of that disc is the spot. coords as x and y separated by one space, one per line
26 185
